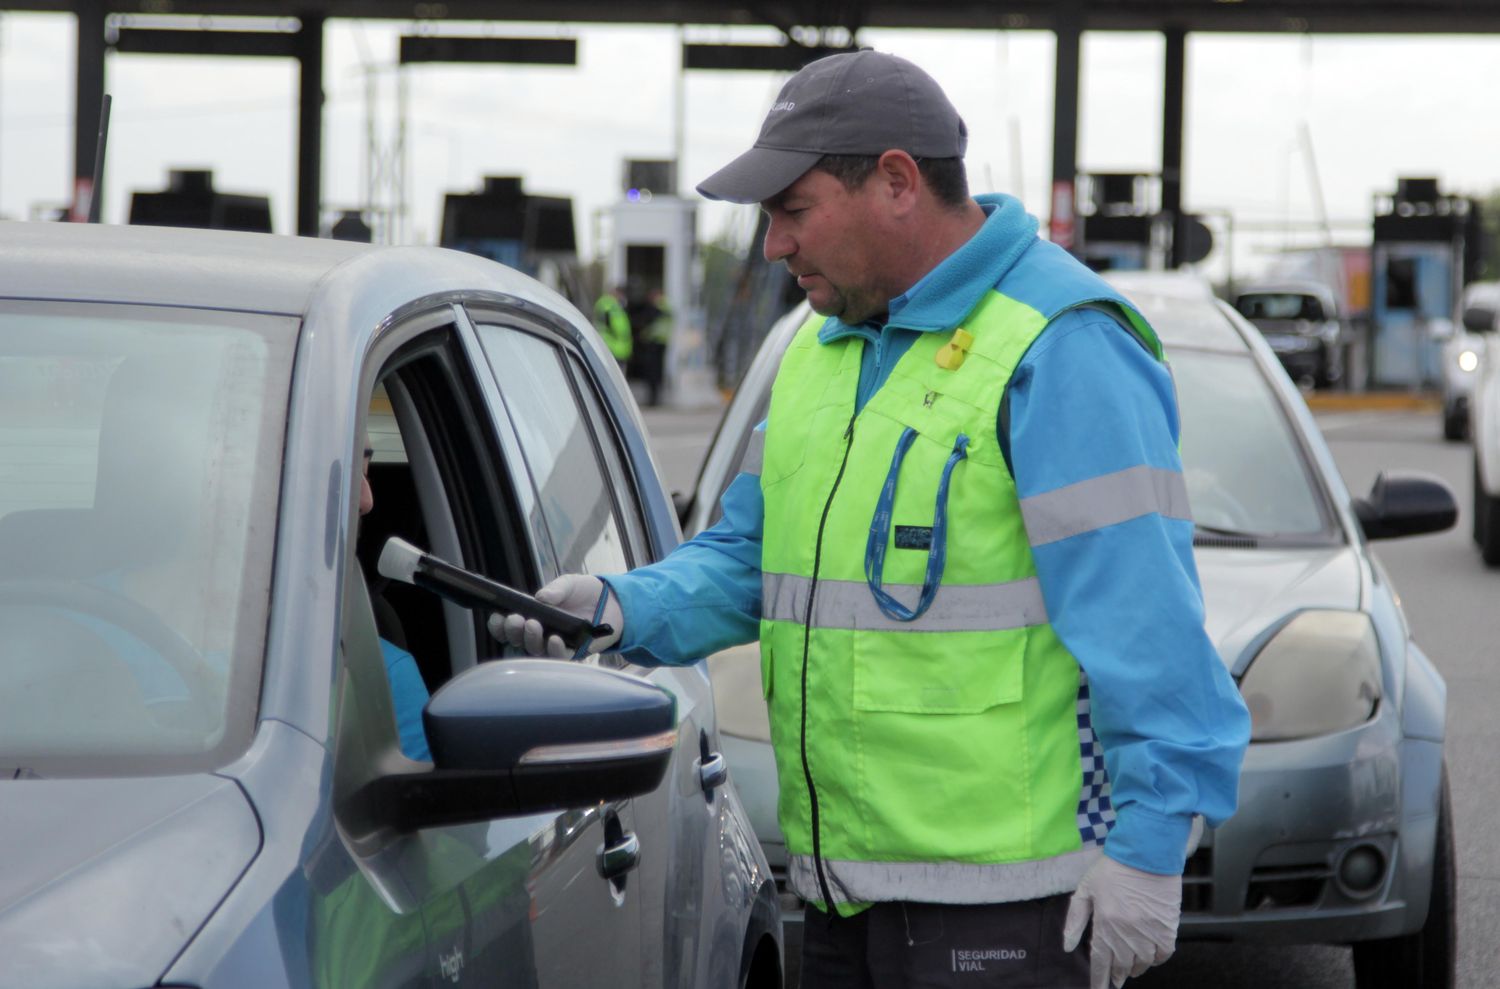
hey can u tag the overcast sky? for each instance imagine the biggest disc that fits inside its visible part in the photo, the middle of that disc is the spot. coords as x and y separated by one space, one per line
1274 123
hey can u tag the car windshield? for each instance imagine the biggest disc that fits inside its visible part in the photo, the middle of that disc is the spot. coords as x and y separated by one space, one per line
138 475
1279 305
1246 473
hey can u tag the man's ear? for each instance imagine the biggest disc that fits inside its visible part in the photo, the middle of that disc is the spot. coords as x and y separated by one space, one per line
900 179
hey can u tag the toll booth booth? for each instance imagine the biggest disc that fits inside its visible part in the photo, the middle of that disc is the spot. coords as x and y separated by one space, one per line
190 200
1424 246
1118 221
654 235
653 248
502 222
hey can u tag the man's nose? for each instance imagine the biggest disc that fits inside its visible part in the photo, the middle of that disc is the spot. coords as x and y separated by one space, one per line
778 245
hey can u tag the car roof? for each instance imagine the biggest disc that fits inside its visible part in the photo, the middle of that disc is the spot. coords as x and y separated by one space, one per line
166 265
1181 308
1482 293
234 270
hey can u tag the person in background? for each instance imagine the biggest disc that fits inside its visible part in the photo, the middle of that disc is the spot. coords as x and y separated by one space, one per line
655 319
962 537
613 325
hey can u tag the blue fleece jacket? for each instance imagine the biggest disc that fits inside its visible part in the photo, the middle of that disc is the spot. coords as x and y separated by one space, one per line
1086 400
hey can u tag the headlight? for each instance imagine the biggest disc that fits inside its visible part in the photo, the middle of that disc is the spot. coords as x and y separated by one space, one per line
1467 360
1319 674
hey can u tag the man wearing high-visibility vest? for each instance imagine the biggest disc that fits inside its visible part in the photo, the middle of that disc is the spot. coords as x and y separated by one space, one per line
613 325
966 550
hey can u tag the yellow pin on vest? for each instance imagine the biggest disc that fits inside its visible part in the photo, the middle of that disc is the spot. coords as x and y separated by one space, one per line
952 353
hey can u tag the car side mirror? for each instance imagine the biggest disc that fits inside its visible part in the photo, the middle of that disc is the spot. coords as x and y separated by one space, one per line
1406 503
1479 319
520 736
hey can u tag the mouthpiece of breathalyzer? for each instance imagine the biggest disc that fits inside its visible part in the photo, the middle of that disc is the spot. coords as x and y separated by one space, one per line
400 560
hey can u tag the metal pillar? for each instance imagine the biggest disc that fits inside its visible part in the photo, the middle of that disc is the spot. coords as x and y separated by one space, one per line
88 104
1062 225
1171 141
309 124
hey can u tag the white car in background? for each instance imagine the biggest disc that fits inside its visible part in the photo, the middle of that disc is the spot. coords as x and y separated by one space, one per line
1481 318
1463 351
1343 833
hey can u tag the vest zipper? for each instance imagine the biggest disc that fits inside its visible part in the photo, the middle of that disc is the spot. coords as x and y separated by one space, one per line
812 590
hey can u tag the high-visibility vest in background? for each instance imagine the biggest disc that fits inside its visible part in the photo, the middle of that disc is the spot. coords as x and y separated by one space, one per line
614 326
659 330
931 731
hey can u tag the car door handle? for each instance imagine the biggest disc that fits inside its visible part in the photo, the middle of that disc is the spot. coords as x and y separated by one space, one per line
619 857
712 771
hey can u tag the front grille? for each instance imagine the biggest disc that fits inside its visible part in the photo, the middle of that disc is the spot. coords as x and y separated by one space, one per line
1285 887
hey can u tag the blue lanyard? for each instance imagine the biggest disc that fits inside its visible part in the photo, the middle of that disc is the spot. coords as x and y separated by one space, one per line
880 528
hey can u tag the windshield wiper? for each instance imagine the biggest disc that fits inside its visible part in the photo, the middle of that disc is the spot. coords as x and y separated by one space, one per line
1213 530
1211 535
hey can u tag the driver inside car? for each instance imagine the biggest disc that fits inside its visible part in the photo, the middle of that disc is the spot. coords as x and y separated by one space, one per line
408 690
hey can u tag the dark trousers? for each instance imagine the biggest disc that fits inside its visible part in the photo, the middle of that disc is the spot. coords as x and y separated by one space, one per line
943 946
653 368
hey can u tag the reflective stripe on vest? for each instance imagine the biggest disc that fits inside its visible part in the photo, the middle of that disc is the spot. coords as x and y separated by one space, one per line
755 453
1103 501
848 604
942 882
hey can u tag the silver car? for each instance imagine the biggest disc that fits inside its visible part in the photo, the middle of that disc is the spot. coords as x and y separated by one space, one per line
1343 833
1463 354
221 767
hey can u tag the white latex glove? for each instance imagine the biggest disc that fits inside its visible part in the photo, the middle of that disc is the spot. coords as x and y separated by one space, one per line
1135 920
573 592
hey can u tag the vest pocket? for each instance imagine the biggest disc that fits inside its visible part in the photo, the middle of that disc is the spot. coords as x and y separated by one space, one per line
938 672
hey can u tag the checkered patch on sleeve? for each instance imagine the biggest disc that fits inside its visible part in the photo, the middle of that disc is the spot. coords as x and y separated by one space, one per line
1095 813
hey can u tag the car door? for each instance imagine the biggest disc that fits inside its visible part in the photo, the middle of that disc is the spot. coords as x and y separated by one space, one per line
575 519
506 902
590 501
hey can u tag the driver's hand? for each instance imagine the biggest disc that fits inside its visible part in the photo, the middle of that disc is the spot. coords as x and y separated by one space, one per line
577 593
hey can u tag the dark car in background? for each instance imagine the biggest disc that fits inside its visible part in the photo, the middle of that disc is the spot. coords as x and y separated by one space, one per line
203 783
1301 322
1344 832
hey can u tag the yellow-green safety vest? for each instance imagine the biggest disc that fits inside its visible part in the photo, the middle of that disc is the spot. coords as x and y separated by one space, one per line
614 326
924 714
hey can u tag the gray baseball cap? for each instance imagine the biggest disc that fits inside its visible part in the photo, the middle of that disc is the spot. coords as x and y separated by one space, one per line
852 103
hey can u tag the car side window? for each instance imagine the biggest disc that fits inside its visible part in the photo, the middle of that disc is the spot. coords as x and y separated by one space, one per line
437 480
575 493
621 479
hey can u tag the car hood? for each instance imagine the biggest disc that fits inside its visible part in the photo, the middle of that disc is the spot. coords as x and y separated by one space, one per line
1247 590
105 880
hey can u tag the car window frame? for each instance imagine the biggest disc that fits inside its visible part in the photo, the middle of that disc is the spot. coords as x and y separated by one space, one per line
622 489
489 536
